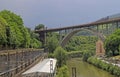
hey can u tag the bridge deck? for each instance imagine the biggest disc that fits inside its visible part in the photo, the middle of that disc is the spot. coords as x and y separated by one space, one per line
80 26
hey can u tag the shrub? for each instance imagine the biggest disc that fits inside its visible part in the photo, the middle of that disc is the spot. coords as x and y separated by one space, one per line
74 54
63 72
113 69
51 55
86 55
60 55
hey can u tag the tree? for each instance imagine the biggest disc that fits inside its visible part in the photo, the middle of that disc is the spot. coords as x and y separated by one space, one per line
3 36
34 39
27 38
63 72
112 43
52 43
81 43
15 24
87 54
40 26
35 43
60 55
14 34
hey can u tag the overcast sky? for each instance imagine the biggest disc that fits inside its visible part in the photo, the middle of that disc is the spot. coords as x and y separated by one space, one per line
60 13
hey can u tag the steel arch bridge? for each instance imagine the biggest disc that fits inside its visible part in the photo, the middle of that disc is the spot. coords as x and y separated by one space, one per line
99 28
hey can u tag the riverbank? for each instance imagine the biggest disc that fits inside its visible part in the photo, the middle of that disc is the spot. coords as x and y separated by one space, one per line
105 65
84 69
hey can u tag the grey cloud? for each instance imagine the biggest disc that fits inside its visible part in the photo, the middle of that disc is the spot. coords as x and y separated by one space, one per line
65 12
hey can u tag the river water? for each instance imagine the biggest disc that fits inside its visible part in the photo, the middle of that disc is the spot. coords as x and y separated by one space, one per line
85 69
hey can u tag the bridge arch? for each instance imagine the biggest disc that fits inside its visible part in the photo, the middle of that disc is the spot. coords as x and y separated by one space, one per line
69 35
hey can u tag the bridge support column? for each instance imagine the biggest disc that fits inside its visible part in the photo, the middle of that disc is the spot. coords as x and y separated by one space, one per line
117 25
100 51
42 36
65 31
60 36
107 29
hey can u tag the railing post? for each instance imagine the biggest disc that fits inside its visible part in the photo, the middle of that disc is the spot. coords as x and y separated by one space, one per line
51 68
16 63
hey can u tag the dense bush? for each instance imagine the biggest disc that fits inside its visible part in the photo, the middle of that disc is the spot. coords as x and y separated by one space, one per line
63 72
13 33
52 42
112 43
60 55
87 54
51 55
74 54
81 43
113 69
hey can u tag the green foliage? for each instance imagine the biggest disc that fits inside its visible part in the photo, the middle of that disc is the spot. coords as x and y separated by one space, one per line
34 40
63 72
3 36
74 54
87 54
51 55
60 55
13 33
113 69
40 26
52 43
27 38
35 43
81 43
15 25
112 44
